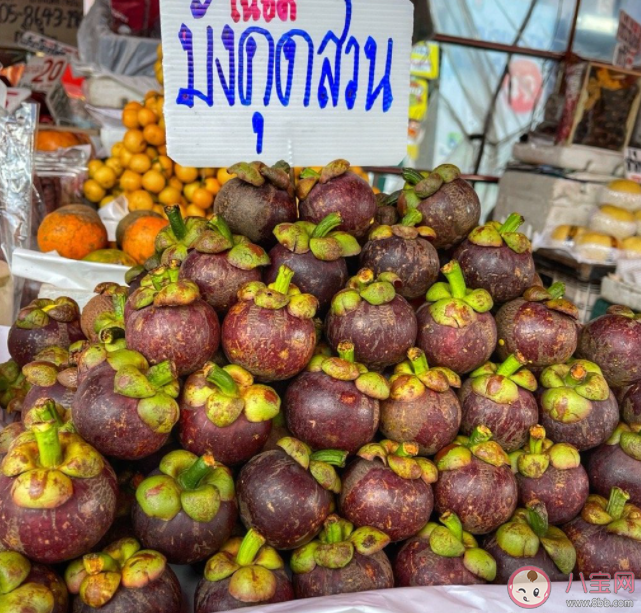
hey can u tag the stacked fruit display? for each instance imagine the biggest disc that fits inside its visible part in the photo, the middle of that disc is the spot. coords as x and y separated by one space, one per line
264 398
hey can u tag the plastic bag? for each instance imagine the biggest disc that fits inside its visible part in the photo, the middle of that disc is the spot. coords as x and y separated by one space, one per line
615 221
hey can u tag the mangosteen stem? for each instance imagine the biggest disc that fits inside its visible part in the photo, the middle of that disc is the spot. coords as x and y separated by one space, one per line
326 225
418 360
455 278
309 173
49 448
110 335
221 379
220 224
617 501
510 366
512 223
453 524
334 457
191 478
45 411
119 299
333 530
480 434
556 290
174 271
406 450
346 351
537 437
413 177
176 221
537 517
249 548
284 278
412 217
157 276
161 374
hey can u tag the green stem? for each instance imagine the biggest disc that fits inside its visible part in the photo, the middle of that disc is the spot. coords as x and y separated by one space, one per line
412 217
511 224
407 450
556 290
174 271
250 547
202 467
455 278
110 335
284 278
45 411
480 434
161 374
411 176
221 379
617 501
578 373
334 457
119 299
176 221
419 361
158 276
346 351
453 524
510 366
537 437
333 530
220 224
411 199
537 517
309 173
49 448
326 225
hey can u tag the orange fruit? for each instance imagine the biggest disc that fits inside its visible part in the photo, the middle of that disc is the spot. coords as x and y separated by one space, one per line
130 119
154 181
134 104
202 198
134 141
130 181
212 185
51 140
140 163
151 152
116 148
105 177
207 172
125 157
146 116
163 164
139 240
160 107
106 200
140 200
187 174
223 176
177 183
92 167
190 189
93 191
162 149
169 195
115 164
194 211
160 209
154 134
161 123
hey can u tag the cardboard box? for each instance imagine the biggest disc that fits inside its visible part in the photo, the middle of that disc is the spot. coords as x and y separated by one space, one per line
58 19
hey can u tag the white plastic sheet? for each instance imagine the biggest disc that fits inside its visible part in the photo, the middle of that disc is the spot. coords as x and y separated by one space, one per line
112 213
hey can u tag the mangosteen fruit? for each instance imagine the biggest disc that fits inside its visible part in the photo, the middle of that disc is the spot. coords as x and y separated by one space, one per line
41 324
374 318
30 587
57 495
286 494
528 540
449 205
270 332
476 482
541 325
387 487
174 241
245 572
577 406
223 411
455 328
607 535
257 200
421 408
186 509
123 578
125 408
50 375
342 560
104 314
335 402
220 263
405 250
443 554
551 473
500 396
630 405
386 211
316 254
617 463
335 189
613 341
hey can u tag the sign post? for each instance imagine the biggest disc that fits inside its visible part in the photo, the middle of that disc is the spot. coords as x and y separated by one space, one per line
302 80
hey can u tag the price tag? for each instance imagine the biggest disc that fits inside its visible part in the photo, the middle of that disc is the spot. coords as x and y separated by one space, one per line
41 74
44 44
306 81
15 97
628 41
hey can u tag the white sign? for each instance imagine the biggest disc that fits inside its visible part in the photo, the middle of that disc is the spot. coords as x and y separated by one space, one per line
633 164
307 81
628 41
43 44
41 74
15 97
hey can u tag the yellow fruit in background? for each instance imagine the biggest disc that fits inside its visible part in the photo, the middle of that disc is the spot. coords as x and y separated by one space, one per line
169 195
617 213
134 141
158 208
186 174
115 164
625 186
190 189
147 116
92 167
105 177
376 190
202 198
162 149
154 134
93 191
177 183
164 164
161 124
140 200
223 176
140 163
116 148
205 173
160 107
151 152
134 104
106 200
159 51
154 181
212 185
130 119
130 181
194 211
125 157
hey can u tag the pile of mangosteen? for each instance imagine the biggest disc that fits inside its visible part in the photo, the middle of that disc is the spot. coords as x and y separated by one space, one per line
318 391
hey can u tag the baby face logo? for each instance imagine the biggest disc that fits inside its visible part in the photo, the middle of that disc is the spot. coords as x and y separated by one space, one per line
528 587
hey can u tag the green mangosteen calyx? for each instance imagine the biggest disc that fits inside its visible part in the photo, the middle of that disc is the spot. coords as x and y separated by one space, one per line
624 311
570 390
320 464
500 382
46 409
229 392
309 177
156 389
402 459
616 514
527 529
187 483
344 368
453 304
539 453
41 311
479 445
13 383
628 439
51 365
422 185
250 564
365 286
407 228
110 325
258 174
552 298
321 239
16 594
96 577
334 548
495 234
162 288
280 294
449 540
88 356
173 242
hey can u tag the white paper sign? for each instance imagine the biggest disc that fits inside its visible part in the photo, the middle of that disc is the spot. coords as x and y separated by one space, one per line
633 164
41 74
306 81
